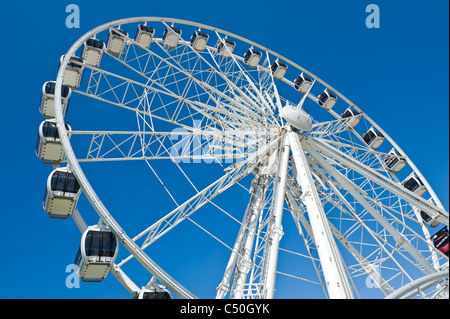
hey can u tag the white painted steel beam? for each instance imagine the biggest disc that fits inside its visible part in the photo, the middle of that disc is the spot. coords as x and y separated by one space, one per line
277 215
334 271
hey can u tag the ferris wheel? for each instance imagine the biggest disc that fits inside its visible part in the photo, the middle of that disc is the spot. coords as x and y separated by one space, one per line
262 150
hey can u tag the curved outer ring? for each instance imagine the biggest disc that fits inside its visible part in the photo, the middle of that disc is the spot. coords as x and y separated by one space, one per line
418 285
95 201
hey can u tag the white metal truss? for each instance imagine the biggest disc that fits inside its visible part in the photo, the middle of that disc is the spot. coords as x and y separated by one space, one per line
240 262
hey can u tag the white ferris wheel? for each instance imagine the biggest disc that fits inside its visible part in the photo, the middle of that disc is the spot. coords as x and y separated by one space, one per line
294 185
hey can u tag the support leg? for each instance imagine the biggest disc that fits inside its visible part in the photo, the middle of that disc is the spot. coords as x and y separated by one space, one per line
333 267
277 230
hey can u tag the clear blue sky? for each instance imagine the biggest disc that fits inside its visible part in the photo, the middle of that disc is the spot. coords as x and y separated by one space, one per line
398 74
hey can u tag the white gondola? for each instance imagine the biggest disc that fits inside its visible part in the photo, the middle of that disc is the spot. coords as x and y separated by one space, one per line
327 100
279 69
153 290
47 107
414 184
394 161
252 58
48 147
61 194
116 41
74 72
373 138
351 117
303 83
199 40
92 52
226 47
147 293
144 35
97 253
428 219
171 36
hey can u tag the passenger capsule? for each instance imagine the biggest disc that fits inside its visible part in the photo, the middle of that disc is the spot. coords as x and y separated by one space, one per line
116 41
226 47
74 72
154 293
351 117
171 37
278 69
394 161
414 184
373 138
252 58
48 147
297 118
92 52
97 252
199 40
47 106
327 100
428 219
144 35
61 193
303 83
